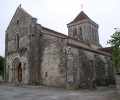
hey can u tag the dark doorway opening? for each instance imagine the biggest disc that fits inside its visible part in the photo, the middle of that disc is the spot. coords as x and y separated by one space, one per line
19 73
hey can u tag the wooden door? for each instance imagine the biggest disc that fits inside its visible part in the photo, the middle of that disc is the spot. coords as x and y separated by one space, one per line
19 73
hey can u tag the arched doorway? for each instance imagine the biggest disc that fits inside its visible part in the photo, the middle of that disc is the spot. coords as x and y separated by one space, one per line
19 70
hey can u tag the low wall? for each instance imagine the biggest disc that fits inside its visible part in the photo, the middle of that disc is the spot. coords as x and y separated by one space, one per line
117 76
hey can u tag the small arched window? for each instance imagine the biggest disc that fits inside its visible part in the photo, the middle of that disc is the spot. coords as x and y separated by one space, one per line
17 38
80 30
17 22
96 35
93 34
75 32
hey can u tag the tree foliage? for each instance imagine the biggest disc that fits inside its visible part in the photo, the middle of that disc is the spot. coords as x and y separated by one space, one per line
115 43
1 65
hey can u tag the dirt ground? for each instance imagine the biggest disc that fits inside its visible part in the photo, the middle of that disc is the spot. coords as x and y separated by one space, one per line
11 92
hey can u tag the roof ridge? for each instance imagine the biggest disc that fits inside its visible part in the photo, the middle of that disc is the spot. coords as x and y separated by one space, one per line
81 16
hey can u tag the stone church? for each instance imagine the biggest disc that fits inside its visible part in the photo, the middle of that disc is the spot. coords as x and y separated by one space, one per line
36 55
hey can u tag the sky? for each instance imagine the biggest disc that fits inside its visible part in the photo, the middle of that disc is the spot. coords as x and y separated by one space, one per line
55 14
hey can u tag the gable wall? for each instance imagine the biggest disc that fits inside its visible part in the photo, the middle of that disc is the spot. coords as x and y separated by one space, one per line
23 28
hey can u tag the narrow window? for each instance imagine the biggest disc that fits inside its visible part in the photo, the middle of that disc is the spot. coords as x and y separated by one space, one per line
17 22
46 74
75 32
80 31
90 32
17 41
96 35
93 35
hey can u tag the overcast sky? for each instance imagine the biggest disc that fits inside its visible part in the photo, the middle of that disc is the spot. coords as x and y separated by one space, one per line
55 14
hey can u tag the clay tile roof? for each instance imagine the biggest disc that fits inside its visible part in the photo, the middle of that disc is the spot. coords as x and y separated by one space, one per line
81 16
107 49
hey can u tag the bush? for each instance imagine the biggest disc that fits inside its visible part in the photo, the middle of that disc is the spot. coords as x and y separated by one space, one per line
1 66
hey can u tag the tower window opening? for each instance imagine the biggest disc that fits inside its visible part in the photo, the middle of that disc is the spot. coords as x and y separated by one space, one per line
80 31
75 32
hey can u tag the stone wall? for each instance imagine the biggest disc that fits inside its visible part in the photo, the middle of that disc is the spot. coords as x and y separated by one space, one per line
88 75
72 70
53 71
101 70
110 70
87 69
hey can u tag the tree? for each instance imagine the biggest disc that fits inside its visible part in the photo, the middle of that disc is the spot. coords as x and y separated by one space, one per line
1 66
115 43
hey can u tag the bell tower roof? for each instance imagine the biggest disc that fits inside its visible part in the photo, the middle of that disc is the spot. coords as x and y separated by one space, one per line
80 16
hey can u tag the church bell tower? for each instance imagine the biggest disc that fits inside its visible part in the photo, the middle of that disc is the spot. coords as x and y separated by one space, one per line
84 29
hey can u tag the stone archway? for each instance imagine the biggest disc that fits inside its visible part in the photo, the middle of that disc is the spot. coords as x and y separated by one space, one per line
17 70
